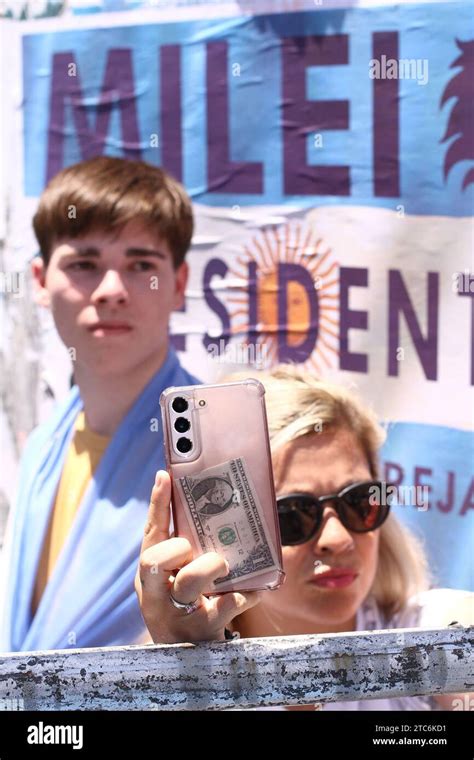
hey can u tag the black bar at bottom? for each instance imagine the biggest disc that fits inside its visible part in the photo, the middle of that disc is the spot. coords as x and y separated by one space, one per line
224 735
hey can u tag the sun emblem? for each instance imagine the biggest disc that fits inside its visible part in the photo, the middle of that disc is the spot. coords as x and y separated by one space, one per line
290 304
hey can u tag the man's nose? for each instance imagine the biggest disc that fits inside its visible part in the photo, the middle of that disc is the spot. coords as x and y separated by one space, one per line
111 289
332 537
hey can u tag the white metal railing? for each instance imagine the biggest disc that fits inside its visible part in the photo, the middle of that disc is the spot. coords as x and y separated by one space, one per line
242 673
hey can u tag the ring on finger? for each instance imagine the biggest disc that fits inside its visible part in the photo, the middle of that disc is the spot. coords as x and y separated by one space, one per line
188 608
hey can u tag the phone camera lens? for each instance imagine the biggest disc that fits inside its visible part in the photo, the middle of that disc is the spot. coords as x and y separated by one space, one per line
184 445
182 424
179 404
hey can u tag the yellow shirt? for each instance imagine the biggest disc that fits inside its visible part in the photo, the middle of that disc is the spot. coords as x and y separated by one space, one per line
84 454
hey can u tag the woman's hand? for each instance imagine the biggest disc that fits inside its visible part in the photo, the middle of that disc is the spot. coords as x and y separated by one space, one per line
167 567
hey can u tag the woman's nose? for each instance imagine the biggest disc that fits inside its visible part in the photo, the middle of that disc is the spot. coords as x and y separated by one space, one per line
333 537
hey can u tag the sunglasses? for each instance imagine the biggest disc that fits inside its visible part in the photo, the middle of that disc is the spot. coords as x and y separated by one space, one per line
361 507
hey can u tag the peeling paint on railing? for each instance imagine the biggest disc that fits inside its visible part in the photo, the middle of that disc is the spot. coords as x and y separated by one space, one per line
243 673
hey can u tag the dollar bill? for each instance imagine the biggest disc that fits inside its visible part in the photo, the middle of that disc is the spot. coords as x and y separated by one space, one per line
228 518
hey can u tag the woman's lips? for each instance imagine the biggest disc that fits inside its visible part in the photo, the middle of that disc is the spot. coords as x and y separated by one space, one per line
334 581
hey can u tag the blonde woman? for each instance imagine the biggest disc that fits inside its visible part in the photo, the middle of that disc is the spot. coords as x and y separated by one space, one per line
349 565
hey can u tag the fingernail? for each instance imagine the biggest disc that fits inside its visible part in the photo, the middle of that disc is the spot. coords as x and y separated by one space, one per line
227 566
157 478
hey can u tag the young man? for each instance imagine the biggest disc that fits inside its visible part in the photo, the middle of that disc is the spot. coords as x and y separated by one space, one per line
113 236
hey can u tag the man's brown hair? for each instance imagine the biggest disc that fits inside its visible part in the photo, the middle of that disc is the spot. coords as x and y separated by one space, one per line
105 193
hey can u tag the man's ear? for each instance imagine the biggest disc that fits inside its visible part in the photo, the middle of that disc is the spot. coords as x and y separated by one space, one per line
41 293
181 279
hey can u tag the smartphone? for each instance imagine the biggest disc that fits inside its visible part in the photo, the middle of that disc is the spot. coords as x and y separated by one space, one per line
223 497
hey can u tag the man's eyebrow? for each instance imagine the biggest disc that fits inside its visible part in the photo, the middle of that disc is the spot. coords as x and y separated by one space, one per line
91 251
145 252
87 252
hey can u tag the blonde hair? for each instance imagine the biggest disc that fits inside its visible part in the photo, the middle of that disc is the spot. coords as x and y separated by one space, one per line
299 404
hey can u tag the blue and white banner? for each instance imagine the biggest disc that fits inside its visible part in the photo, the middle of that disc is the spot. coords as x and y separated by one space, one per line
330 154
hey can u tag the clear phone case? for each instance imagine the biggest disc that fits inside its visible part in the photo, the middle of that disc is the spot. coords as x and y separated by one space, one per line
223 497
